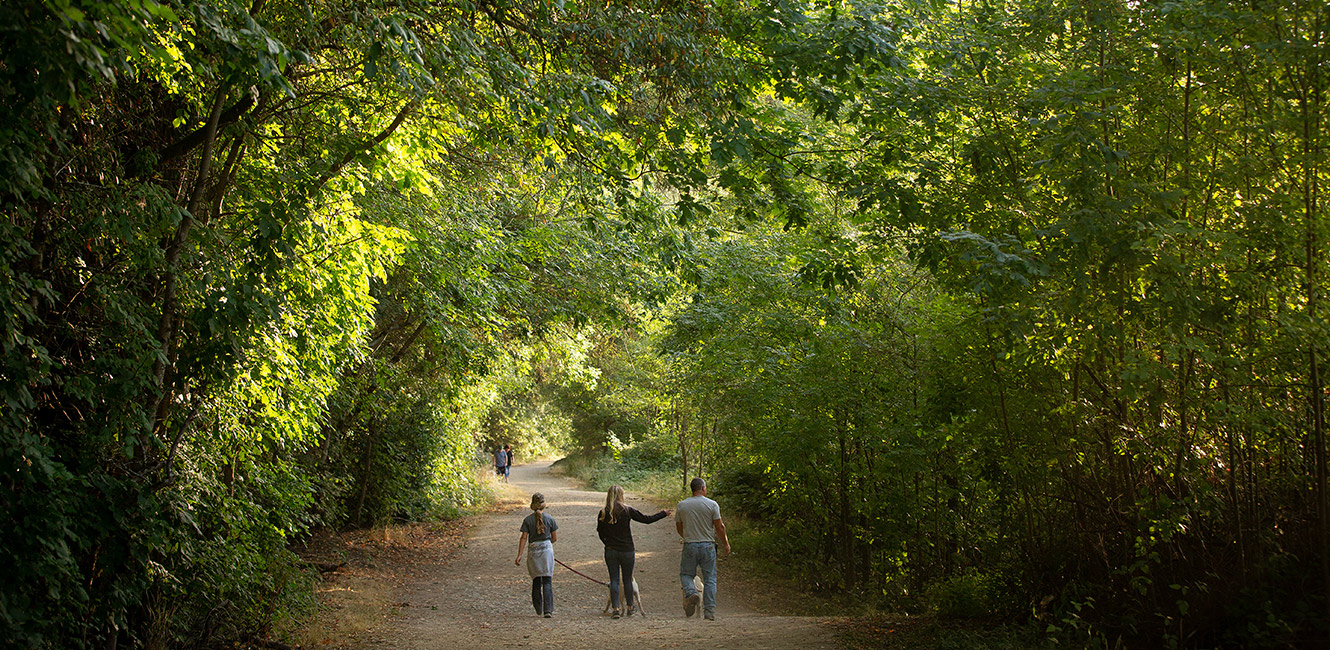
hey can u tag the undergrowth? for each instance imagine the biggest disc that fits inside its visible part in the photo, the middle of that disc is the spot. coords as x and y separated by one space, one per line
646 468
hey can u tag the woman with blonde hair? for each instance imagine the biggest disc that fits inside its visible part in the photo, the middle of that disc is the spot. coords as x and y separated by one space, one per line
612 525
539 533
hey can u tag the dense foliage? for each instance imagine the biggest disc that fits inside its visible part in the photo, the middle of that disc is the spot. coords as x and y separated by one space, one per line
1113 413
1011 307
271 266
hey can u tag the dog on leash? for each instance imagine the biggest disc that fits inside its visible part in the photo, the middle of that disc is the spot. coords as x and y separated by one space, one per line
698 586
637 597
637 601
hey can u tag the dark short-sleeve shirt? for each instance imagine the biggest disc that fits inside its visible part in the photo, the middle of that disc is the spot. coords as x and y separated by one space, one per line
529 527
618 535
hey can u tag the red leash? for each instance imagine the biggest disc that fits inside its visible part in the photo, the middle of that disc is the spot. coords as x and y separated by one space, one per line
580 573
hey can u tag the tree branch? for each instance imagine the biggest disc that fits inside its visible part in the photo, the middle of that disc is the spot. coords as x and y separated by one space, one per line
199 136
367 145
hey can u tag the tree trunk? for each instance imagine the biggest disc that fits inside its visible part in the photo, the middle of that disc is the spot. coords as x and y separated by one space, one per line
680 424
843 494
166 327
1309 91
368 465
1316 396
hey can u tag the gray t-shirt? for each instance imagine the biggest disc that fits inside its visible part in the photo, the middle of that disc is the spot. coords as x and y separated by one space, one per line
529 527
698 515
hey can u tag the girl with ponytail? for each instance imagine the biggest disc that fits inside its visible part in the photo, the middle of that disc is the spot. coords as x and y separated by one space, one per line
612 525
539 532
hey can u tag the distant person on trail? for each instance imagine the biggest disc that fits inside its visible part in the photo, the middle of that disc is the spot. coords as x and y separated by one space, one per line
501 463
612 525
539 533
697 519
507 461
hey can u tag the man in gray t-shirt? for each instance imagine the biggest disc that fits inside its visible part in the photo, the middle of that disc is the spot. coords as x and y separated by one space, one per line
697 519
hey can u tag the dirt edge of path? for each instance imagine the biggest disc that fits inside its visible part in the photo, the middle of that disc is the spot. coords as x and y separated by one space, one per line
372 565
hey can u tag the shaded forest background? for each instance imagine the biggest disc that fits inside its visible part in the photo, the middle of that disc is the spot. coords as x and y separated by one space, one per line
1010 309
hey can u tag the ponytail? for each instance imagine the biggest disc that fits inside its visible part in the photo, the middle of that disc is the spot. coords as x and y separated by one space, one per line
538 506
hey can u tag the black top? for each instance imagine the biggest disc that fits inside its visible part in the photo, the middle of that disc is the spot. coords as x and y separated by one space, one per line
617 535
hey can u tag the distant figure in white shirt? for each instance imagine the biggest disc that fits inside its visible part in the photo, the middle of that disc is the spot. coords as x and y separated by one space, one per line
697 519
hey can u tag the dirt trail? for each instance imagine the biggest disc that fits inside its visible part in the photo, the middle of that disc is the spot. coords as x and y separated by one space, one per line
479 599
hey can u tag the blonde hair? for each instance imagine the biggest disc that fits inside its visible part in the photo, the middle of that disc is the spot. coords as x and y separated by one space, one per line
613 504
538 505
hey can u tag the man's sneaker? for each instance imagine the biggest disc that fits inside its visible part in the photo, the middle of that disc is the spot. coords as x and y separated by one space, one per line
709 616
615 614
690 604
547 615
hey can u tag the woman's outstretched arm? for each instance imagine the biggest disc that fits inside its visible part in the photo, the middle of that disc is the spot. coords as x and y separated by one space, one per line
647 519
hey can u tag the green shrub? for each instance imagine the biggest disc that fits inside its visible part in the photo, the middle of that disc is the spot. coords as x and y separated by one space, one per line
970 595
647 467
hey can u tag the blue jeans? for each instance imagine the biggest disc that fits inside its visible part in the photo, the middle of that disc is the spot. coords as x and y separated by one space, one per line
620 562
699 555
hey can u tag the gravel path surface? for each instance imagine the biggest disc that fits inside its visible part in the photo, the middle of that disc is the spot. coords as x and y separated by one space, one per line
481 600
